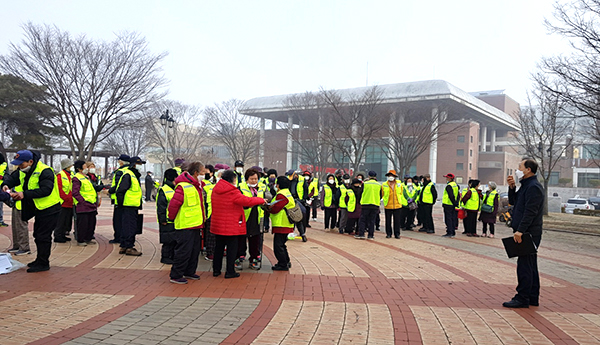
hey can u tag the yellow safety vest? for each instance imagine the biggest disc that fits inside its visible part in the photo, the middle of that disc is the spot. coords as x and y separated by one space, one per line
133 196
313 187
351 200
446 198
178 169
190 213
168 192
371 193
427 195
491 197
18 206
386 192
327 196
343 191
406 194
114 182
473 204
3 167
34 183
300 187
208 188
280 219
87 190
67 185
261 194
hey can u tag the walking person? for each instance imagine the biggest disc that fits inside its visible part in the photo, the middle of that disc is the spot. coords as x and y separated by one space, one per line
527 220
489 209
85 200
41 200
129 199
370 202
392 203
427 199
166 228
282 226
186 211
328 202
65 187
123 162
229 221
450 205
471 202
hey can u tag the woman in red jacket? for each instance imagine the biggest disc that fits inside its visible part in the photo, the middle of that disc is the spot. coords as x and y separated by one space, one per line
228 221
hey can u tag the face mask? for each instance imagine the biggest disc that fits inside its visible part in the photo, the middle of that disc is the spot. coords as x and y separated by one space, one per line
26 169
239 169
347 181
409 184
271 179
200 177
330 181
253 185
72 169
360 179
92 170
519 174
207 176
85 171
391 178
276 188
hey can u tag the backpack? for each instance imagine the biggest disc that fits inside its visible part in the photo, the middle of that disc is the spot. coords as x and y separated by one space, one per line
294 214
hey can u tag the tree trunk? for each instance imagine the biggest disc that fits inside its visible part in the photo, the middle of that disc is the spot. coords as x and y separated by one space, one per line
545 213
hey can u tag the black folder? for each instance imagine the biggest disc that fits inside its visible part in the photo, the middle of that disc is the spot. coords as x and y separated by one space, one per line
526 247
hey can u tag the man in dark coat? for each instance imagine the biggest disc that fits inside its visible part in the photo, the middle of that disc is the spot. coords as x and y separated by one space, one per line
527 220
149 183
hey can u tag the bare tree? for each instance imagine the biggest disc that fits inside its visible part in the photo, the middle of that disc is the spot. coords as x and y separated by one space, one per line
185 139
132 140
546 128
94 85
238 132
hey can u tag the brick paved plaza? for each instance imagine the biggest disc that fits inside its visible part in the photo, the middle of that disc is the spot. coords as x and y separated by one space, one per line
420 289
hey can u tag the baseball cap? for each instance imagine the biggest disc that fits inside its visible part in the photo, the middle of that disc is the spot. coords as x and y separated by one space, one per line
124 158
22 156
290 172
136 160
449 175
391 173
372 173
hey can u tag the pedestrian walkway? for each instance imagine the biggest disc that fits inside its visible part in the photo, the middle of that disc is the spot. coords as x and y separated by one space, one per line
419 289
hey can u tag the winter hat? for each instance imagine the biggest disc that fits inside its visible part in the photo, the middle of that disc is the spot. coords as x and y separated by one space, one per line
65 163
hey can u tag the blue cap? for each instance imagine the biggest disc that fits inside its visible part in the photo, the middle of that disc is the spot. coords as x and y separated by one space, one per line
22 156
136 160
372 173
124 158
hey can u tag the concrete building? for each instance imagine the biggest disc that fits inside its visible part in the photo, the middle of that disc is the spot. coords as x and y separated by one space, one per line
476 132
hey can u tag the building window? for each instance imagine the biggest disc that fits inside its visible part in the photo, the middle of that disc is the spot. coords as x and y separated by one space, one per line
471 139
470 153
459 166
459 180
461 139
460 152
470 166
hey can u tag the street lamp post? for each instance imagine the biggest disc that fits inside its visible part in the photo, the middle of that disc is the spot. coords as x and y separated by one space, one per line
167 122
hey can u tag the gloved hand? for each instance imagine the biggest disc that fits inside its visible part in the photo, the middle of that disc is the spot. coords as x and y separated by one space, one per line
410 200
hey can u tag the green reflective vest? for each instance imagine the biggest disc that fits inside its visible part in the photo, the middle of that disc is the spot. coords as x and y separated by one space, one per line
34 183
168 192
446 198
351 205
327 196
408 194
343 191
178 169
491 197
3 168
133 196
387 189
371 193
208 189
473 204
18 205
280 219
247 192
87 191
190 213
313 187
114 181
427 194
300 187
65 178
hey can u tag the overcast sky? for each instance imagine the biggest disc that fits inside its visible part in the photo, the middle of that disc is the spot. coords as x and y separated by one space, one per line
243 49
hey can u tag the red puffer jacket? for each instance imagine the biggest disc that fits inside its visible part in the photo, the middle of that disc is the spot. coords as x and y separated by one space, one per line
228 209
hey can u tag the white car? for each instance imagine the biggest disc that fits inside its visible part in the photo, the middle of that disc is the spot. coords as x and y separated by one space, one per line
577 202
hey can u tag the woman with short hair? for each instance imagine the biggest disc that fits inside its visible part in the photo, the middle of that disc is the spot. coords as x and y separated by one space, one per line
490 212
85 201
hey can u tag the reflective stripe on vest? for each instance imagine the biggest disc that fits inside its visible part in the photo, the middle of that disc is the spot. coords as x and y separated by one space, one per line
343 191
34 183
351 200
133 196
386 192
247 192
328 196
190 213
168 192
446 198
280 219
427 195
371 193
87 191
473 204
114 183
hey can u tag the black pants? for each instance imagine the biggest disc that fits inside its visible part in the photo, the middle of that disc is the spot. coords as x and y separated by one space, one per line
471 222
367 221
410 219
129 216
450 219
149 193
117 222
397 216
528 288
231 242
420 215
42 235
209 239
254 243
427 217
377 221
65 222
492 227
242 246
86 225
168 241
330 217
352 225
280 249
187 251
314 208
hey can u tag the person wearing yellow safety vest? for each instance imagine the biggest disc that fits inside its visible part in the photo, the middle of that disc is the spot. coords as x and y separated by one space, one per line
489 213
450 205
20 231
271 181
471 202
408 200
392 202
40 200
341 196
129 199
412 190
329 203
282 226
313 194
186 210
208 238
426 200
254 221
353 195
299 190
166 228
239 172
85 200
179 165
117 211
3 171
370 202
65 186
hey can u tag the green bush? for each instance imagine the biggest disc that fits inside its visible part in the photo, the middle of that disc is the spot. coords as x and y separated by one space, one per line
564 181
582 212
594 183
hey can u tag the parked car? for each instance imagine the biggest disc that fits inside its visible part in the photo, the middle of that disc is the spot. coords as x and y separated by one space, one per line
577 202
595 201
